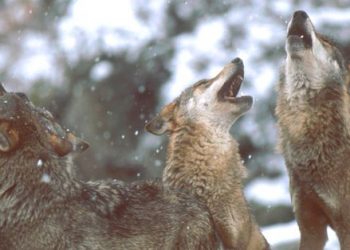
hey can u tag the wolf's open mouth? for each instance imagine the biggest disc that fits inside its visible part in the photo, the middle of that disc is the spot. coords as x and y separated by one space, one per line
229 90
298 32
231 86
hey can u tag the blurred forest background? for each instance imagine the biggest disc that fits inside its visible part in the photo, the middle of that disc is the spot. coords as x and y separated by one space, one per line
104 68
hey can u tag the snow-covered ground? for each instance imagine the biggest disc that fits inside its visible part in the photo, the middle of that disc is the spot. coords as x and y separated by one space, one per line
277 192
273 192
269 192
289 232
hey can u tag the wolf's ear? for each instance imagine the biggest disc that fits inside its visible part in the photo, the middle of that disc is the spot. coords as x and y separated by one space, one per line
67 144
9 138
163 122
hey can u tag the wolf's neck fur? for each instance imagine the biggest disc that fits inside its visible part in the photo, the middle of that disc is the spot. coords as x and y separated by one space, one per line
301 81
199 159
314 116
306 90
207 164
45 181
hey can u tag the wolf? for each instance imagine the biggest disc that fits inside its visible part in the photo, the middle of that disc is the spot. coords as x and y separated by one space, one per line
203 158
43 206
314 132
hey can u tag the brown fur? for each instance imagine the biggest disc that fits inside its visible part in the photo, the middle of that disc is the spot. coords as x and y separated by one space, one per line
43 207
313 119
203 157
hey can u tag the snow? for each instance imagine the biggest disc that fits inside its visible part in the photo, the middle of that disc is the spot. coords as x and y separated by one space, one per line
39 163
188 53
282 7
102 25
114 25
267 75
269 192
101 71
158 163
141 89
281 233
289 232
329 15
206 44
261 31
45 178
96 18
107 135
38 60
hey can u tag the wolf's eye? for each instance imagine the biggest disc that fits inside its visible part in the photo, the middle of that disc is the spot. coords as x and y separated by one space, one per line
202 83
22 96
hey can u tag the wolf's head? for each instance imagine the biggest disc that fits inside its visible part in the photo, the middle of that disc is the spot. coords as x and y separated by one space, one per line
313 61
211 102
24 125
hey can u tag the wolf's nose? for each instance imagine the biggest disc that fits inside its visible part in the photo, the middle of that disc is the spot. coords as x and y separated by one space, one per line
237 61
300 14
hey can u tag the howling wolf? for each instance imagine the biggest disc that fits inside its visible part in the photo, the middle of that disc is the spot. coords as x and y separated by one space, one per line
313 119
203 158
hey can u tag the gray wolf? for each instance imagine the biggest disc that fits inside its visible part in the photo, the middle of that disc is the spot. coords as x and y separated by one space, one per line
314 130
203 158
42 206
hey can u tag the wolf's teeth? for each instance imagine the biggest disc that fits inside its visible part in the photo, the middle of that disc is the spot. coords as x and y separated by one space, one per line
231 90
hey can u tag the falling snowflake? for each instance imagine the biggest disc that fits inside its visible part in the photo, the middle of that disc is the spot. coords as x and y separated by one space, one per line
39 163
45 178
158 163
